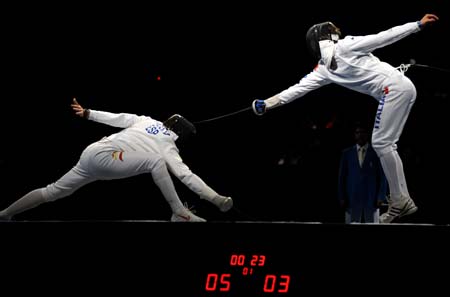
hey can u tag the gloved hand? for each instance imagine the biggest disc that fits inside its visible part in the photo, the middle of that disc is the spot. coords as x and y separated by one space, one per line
259 107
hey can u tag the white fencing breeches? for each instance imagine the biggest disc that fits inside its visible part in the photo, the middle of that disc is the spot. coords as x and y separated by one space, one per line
393 110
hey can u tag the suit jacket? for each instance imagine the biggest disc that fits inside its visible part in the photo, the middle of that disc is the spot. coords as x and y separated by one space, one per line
361 186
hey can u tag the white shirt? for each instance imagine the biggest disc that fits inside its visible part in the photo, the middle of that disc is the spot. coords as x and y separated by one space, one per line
362 150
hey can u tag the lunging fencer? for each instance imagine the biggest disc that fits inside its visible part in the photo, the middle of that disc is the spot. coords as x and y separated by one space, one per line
349 62
144 145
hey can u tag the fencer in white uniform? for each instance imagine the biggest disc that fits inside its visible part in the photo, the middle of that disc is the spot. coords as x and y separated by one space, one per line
144 145
349 62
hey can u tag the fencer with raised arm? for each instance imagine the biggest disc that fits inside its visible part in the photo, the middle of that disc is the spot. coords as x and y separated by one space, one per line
349 62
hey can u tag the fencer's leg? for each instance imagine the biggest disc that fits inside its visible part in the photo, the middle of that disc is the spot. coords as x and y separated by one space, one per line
118 164
65 186
162 179
393 111
400 203
127 164
393 169
392 114
28 201
164 182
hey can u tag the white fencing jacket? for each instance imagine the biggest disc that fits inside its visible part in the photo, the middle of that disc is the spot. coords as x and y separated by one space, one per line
357 68
145 134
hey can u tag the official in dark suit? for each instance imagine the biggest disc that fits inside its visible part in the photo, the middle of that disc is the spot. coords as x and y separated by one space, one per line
362 185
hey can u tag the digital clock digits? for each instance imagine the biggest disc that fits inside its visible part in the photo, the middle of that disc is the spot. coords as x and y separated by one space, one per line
249 271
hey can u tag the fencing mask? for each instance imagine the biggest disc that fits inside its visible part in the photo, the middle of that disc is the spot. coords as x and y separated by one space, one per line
318 32
182 127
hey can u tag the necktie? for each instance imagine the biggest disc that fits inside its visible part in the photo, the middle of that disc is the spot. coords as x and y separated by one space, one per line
361 155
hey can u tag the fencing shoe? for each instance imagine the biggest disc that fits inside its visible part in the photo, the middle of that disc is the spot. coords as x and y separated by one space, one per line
397 209
185 215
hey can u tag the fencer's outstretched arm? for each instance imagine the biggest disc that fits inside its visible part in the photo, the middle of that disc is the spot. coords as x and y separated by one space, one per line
352 45
174 160
194 182
369 43
120 120
179 169
308 83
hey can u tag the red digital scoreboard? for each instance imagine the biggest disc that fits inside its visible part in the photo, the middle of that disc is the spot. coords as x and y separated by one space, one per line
256 273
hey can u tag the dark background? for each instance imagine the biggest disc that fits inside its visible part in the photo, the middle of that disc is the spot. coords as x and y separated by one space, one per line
212 60
135 257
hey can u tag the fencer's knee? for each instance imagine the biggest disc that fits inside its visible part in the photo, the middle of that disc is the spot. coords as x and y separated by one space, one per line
382 148
409 90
